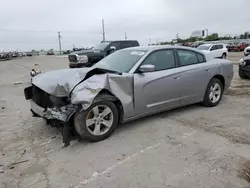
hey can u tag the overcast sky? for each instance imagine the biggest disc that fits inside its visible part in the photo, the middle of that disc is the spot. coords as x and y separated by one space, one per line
33 24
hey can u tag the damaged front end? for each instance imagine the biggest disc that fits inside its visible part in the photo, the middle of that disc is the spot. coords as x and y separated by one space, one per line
57 111
57 95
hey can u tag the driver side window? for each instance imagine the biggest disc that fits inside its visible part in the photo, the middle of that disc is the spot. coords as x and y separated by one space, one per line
214 47
162 60
116 45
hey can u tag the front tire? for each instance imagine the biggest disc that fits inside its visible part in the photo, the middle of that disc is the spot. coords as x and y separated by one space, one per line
213 93
242 74
97 122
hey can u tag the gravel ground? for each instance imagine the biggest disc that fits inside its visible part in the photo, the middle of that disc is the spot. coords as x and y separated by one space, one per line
188 147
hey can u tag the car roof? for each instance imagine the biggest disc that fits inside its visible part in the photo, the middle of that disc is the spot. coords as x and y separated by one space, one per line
119 41
159 47
207 44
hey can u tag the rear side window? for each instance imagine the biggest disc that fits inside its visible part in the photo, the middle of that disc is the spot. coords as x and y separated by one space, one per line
201 58
135 43
187 57
126 44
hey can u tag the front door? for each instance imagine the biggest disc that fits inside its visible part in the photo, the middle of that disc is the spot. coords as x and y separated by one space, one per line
158 90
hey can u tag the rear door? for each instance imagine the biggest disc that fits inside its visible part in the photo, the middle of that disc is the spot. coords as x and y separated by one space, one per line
194 75
158 90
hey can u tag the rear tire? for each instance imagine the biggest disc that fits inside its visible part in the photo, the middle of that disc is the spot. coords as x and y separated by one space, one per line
93 125
224 56
242 74
213 93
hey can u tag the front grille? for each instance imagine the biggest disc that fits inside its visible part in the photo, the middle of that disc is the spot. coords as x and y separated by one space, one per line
72 58
41 98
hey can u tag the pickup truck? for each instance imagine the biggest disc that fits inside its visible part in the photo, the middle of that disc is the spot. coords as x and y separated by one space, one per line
87 58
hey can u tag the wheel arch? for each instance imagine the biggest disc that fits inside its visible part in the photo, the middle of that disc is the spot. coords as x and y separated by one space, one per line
104 94
221 78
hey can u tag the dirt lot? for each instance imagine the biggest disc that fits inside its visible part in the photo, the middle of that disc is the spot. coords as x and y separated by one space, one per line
188 147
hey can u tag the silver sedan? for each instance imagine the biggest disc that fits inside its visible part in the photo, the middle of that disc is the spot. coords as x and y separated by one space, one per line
128 85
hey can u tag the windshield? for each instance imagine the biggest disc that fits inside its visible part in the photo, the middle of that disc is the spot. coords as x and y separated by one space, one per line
121 61
205 47
101 46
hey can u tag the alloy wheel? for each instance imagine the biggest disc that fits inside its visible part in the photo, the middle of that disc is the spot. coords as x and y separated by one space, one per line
99 120
215 92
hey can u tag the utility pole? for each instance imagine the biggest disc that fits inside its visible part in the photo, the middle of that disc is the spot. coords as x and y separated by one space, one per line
126 36
59 39
207 31
177 38
103 31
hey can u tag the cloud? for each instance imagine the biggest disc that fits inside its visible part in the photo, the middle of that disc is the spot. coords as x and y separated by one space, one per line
80 21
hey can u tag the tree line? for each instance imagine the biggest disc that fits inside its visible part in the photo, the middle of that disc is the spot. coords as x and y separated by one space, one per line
211 37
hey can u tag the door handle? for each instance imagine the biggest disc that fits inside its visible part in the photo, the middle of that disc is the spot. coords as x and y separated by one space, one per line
207 69
176 77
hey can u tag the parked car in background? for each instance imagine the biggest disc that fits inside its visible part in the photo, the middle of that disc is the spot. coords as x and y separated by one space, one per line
244 67
247 51
29 54
216 50
196 44
237 47
87 58
127 85
50 52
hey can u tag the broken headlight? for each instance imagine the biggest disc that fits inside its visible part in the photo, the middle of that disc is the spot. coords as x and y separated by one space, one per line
59 101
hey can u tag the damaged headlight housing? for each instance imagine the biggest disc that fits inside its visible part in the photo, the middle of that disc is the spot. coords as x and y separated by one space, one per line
82 59
242 62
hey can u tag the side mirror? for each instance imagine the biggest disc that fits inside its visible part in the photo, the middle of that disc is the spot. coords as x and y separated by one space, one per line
112 48
147 68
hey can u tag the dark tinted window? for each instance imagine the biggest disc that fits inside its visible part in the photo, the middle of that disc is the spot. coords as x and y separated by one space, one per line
116 45
201 58
220 46
214 47
187 57
126 44
163 59
135 43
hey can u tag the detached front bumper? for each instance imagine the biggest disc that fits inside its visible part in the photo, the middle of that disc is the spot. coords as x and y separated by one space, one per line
62 114
51 111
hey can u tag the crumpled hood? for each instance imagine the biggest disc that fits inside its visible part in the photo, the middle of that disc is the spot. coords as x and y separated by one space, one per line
60 82
84 84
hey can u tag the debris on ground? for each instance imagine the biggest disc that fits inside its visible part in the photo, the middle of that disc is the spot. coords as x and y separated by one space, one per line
245 171
2 107
1 168
19 162
53 137
34 72
17 83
